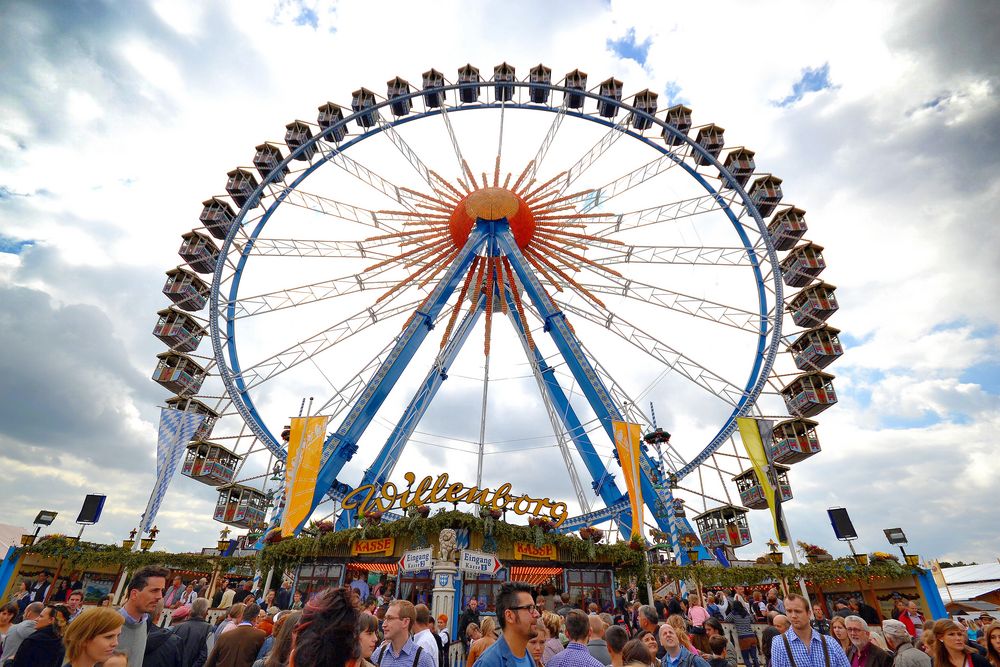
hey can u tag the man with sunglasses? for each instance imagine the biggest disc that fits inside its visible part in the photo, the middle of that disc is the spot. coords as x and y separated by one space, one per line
517 615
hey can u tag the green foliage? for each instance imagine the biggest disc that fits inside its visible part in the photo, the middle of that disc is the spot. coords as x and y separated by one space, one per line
90 555
821 573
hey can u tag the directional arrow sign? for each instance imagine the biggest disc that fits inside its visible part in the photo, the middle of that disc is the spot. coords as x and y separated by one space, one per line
418 559
477 562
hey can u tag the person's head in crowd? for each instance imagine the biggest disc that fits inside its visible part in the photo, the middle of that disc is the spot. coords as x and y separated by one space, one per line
578 626
648 618
857 631
536 644
33 611
717 645
516 612
616 637
991 640
780 622
283 633
93 635
236 612
367 634
597 627
895 633
669 639
145 590
251 613
650 640
638 651
74 601
397 625
117 659
327 631
55 616
819 612
713 627
553 623
488 628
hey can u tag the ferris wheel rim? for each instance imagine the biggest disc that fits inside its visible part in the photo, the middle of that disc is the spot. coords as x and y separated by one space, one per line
766 352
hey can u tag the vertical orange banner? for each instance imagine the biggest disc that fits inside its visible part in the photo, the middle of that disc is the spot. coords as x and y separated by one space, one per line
627 438
305 450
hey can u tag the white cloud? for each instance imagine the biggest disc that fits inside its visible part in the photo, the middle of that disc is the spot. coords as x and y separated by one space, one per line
157 103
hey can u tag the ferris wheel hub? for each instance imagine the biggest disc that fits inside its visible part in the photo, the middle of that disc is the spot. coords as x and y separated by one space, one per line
492 204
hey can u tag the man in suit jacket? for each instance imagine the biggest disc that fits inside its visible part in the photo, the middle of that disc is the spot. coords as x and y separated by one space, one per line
239 647
862 652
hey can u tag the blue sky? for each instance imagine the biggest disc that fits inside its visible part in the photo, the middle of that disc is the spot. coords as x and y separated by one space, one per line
889 140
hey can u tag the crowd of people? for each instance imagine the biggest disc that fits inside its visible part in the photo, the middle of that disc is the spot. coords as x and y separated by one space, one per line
358 626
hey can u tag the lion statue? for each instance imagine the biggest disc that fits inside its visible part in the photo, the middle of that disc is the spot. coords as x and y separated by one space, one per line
447 545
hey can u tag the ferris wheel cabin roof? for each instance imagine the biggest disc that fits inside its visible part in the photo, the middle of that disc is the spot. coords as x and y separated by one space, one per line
722 511
191 405
750 471
196 444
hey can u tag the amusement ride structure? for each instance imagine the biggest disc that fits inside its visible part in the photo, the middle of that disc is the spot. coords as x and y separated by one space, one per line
604 253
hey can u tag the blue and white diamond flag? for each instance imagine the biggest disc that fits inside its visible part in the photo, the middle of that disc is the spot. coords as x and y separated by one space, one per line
176 430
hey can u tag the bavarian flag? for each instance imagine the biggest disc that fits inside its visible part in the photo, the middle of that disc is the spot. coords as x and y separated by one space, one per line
753 441
627 438
305 450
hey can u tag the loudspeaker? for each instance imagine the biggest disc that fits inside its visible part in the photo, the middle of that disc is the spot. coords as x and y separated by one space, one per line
842 526
91 511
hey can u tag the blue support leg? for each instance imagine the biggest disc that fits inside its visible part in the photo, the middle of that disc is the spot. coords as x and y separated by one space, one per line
344 440
393 447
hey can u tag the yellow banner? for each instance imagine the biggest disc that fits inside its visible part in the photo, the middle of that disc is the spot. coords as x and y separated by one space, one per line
305 450
627 438
750 434
382 546
528 550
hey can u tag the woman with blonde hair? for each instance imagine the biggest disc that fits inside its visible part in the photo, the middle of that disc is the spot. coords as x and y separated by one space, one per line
553 624
489 630
839 631
92 636
991 640
950 649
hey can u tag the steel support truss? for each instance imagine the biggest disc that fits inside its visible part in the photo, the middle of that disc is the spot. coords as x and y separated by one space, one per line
495 238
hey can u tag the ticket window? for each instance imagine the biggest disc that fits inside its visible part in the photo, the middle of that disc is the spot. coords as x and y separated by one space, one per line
484 588
312 579
586 586
417 587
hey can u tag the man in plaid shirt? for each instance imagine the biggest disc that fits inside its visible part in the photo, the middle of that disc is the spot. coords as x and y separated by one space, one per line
801 645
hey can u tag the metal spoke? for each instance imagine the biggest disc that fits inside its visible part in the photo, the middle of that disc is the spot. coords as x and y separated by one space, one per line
369 177
550 137
687 255
616 132
636 177
654 215
339 210
297 296
317 248
671 359
712 311
454 140
404 148
311 347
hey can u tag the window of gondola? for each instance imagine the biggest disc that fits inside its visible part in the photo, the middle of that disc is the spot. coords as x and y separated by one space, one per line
315 578
586 586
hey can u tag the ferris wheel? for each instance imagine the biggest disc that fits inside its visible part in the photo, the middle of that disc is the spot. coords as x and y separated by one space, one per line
492 271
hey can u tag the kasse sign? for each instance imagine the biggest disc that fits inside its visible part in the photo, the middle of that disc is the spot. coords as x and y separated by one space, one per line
418 559
478 562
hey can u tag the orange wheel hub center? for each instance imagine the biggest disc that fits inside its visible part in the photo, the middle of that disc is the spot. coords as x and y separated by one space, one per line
492 204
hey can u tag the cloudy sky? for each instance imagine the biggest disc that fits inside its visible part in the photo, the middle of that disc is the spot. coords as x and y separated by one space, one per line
118 119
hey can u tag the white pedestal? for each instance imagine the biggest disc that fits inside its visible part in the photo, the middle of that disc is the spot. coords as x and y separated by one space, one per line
443 600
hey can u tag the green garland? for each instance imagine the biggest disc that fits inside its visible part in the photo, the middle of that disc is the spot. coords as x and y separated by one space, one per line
821 573
90 555
307 547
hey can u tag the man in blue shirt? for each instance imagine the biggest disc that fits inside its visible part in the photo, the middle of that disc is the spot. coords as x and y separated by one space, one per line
676 655
576 653
517 615
801 645
400 650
